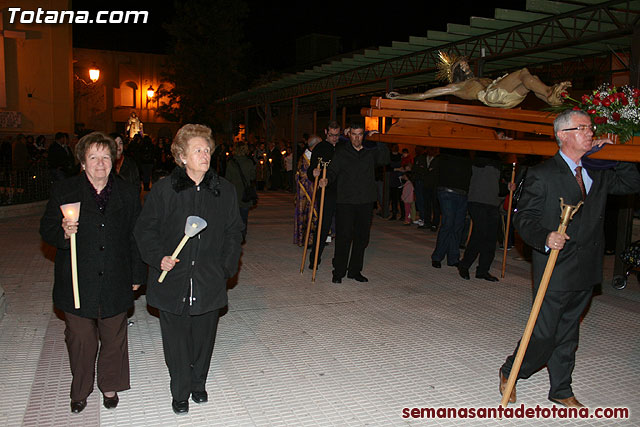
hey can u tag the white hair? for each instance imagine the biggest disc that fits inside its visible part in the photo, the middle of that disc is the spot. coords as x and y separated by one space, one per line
313 140
564 119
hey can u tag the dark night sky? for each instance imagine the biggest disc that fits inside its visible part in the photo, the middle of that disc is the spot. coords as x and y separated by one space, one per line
271 30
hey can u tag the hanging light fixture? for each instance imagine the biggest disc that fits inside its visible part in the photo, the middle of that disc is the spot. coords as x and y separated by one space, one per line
150 93
94 73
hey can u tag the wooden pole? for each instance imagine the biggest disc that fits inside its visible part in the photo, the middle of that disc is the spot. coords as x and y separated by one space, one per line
74 272
568 212
506 230
319 227
174 255
313 202
466 242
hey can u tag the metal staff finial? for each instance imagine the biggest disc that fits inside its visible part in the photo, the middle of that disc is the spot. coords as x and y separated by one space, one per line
568 210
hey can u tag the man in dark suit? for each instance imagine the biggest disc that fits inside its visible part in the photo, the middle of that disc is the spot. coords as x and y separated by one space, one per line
324 150
579 266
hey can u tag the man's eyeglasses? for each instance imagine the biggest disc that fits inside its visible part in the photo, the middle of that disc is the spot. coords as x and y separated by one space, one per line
581 128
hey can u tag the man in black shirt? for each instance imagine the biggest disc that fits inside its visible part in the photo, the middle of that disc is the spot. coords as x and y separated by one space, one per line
324 150
352 168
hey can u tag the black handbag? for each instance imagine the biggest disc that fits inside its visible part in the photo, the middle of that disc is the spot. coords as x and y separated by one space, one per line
631 255
249 194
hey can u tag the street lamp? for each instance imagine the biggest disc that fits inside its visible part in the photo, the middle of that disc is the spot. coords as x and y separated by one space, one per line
94 73
150 93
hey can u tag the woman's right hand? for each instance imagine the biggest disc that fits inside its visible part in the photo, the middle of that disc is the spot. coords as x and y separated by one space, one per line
69 227
168 263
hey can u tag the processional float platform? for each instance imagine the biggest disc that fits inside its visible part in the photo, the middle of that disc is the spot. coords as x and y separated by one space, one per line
471 127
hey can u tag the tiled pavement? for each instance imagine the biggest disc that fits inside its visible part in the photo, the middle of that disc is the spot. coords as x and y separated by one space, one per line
291 352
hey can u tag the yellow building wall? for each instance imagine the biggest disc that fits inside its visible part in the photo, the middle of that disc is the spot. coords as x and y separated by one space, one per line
38 71
100 106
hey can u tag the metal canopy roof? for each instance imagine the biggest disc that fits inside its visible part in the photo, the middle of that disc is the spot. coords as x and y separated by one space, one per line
547 32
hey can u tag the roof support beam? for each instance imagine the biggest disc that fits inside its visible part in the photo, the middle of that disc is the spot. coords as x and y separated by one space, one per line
536 34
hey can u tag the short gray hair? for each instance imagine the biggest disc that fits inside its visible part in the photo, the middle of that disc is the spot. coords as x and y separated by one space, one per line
184 135
313 140
564 119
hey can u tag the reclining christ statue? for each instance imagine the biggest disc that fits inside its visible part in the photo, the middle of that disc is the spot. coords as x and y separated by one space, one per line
507 91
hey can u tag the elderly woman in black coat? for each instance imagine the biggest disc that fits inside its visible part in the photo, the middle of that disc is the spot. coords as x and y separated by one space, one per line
195 287
109 269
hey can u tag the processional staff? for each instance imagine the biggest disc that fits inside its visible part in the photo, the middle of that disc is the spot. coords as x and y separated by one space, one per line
313 203
508 225
315 255
306 195
568 212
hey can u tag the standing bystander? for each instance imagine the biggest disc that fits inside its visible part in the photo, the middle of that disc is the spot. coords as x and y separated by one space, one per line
453 171
352 168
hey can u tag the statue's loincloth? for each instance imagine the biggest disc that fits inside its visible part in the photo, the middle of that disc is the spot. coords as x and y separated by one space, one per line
494 96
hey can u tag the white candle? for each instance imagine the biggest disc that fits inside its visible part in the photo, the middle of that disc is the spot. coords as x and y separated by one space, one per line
71 211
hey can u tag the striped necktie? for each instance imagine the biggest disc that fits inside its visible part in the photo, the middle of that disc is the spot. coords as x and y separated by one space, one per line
581 182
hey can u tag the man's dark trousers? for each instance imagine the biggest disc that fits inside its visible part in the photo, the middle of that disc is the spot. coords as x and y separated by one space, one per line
329 210
431 206
554 341
454 209
483 236
353 224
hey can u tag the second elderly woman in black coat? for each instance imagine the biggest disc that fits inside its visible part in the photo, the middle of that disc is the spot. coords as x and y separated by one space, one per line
195 287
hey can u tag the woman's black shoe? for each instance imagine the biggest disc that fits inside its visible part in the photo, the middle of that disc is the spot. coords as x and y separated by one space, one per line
180 406
78 406
110 402
199 396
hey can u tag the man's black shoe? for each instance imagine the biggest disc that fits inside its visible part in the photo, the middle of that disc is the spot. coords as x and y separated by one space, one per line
434 228
487 276
455 264
463 272
199 396
436 264
180 406
336 279
358 278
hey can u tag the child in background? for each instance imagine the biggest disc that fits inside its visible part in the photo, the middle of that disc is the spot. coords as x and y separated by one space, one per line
407 197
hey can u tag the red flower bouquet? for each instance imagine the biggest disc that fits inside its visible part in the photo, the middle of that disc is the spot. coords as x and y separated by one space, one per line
613 110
